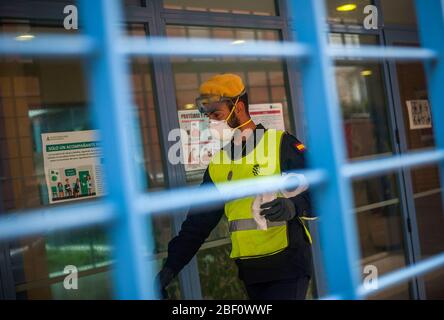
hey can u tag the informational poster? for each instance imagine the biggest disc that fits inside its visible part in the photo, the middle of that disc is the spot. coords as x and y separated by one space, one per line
73 165
270 115
419 113
198 147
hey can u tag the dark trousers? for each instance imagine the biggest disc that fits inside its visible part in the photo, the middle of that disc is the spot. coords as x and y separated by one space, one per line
289 289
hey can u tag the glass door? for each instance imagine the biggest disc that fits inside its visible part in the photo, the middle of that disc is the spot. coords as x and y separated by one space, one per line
369 134
424 193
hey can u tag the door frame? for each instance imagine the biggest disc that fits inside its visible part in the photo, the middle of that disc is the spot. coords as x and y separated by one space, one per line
411 231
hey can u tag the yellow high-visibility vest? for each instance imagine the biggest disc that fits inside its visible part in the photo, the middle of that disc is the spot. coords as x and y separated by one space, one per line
247 240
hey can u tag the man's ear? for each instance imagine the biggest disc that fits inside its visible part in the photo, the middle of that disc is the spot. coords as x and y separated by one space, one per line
240 107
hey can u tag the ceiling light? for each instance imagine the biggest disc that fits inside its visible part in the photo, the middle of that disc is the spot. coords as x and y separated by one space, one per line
346 7
366 73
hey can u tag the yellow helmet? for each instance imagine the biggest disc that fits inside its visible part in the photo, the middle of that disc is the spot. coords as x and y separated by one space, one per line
221 87
224 85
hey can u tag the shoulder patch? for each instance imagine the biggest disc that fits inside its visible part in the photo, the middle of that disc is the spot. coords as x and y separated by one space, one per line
293 143
299 146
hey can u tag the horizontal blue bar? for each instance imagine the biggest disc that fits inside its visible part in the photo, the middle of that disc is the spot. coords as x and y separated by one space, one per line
56 218
51 219
380 53
383 165
210 47
47 45
399 276
207 196
78 45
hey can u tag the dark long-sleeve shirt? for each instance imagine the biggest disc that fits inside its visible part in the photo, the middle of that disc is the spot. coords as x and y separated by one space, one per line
293 262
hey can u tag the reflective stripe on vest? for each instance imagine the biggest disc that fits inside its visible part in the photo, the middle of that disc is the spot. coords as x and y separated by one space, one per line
247 240
250 224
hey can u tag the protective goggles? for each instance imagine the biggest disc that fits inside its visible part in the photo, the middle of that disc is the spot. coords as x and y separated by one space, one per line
210 103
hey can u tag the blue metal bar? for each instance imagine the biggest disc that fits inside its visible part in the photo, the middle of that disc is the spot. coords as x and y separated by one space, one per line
210 47
381 53
52 219
78 45
431 28
399 276
109 89
159 202
334 202
376 167
47 45
49 219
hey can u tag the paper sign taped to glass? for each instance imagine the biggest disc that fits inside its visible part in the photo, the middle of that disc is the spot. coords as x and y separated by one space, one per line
73 165
198 147
419 113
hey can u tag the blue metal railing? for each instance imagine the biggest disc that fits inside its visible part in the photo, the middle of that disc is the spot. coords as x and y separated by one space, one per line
125 207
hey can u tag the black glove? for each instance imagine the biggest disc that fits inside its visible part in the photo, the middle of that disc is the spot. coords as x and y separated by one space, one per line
163 279
280 209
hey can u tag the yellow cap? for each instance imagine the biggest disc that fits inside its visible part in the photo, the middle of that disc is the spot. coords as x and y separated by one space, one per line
224 85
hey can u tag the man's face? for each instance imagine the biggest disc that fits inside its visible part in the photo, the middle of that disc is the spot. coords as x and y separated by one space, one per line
222 111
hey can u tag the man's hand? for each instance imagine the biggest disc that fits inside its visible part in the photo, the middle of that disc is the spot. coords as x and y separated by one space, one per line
163 279
280 209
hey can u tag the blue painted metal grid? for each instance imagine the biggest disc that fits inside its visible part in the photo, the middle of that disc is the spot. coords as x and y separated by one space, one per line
125 207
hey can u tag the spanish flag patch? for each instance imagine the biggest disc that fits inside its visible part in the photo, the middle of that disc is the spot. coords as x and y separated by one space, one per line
299 146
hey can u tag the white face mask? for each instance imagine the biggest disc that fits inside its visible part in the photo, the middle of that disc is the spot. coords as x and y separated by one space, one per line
220 130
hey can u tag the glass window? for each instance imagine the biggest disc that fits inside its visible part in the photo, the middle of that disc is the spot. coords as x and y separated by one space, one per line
258 7
362 98
218 274
346 11
263 77
136 3
399 12
378 216
427 190
40 96
265 82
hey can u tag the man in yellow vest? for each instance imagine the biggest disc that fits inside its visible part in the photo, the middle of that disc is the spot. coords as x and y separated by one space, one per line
270 243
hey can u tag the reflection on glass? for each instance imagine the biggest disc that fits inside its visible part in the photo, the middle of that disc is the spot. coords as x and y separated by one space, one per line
430 219
362 99
218 274
143 98
380 229
25 30
346 11
258 7
263 77
137 3
399 12
427 191
419 133
45 96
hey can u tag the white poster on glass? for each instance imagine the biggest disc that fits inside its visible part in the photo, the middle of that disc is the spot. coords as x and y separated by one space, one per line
419 113
197 145
73 165
270 115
